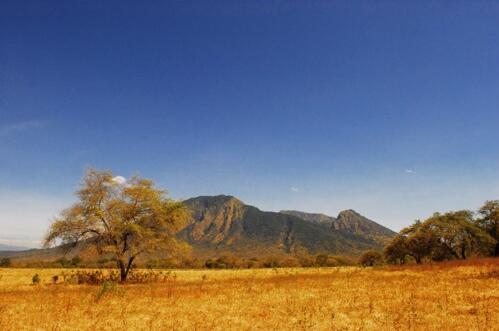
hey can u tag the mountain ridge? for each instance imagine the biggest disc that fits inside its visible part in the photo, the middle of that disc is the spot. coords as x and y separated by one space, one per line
349 221
223 225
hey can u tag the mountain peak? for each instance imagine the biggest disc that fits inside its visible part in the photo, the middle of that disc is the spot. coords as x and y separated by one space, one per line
348 212
216 200
351 221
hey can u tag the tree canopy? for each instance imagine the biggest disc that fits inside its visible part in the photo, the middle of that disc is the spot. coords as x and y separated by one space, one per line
489 221
121 218
451 235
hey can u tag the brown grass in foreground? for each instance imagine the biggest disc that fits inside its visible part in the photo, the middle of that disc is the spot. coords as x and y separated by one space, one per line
455 296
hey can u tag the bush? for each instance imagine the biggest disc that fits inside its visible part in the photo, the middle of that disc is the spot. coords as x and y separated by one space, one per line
35 279
76 260
63 262
5 262
370 258
98 277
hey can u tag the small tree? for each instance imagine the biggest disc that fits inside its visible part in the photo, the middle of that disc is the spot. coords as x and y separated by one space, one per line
489 222
396 251
124 219
5 262
370 258
418 241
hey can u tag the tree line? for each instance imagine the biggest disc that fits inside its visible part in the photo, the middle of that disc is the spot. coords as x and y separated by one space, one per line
446 236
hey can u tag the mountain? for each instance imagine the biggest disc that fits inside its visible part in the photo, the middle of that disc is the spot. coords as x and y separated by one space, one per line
310 217
4 247
349 221
223 224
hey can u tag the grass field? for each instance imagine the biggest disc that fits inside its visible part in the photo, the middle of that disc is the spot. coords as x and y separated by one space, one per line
452 296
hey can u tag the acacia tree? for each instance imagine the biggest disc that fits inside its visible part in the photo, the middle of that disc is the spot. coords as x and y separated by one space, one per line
396 251
124 219
457 233
370 258
418 241
489 221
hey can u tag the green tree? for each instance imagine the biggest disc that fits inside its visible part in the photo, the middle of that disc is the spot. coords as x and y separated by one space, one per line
489 222
396 251
370 258
5 262
419 241
458 234
123 219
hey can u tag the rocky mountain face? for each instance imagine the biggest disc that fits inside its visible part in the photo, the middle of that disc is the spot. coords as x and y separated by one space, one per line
349 221
224 224
310 217
352 222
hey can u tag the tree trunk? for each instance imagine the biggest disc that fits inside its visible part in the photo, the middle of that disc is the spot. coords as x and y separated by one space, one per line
123 271
496 251
125 268
463 252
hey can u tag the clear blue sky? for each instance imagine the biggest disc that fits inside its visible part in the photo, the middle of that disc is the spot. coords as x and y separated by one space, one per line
387 107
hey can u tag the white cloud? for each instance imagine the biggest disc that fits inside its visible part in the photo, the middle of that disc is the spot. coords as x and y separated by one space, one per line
9 129
120 180
409 171
294 189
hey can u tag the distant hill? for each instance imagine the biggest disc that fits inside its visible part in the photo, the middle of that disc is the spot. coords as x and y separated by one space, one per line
4 247
349 221
222 224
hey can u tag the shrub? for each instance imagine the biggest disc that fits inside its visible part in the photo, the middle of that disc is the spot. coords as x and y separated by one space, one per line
76 260
98 277
5 262
63 262
55 279
35 279
370 258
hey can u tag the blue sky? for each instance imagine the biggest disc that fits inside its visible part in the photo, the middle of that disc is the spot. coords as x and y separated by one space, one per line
388 107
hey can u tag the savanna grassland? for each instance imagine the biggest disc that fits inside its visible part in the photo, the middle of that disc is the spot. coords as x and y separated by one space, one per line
449 296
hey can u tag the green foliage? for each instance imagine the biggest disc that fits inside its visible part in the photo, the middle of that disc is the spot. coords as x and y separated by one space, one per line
5 262
396 251
452 235
55 279
489 222
35 280
75 261
370 258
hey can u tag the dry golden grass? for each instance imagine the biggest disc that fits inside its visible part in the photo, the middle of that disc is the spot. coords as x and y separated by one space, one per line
444 297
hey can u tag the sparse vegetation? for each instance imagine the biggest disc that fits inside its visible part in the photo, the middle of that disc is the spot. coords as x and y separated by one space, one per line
417 297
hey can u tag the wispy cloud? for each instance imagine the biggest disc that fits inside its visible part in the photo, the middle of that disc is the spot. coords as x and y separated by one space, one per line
294 189
409 171
9 129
